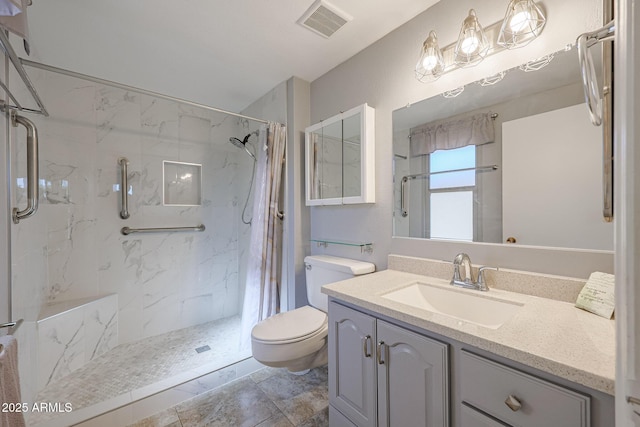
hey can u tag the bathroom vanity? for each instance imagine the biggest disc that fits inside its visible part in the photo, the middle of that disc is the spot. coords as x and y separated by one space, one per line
395 362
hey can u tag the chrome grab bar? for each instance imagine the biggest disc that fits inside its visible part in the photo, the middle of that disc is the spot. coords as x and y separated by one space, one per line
127 230
600 107
124 190
404 209
15 324
607 126
32 168
476 168
591 89
607 139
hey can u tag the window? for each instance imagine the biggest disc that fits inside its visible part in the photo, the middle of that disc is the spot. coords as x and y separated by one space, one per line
451 193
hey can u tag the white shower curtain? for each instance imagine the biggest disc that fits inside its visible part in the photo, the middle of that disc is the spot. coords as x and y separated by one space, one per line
262 290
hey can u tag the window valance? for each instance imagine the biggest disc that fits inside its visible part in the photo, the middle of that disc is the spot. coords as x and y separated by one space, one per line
472 130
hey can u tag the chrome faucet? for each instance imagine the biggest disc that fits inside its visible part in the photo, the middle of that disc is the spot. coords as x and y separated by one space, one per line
463 260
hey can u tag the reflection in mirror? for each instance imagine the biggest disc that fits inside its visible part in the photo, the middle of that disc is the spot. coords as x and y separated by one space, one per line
327 149
352 165
516 160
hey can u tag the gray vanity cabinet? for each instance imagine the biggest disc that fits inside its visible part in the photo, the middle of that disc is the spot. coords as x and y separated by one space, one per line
352 365
383 375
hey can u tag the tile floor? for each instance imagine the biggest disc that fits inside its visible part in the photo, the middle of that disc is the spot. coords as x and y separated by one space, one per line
267 398
163 359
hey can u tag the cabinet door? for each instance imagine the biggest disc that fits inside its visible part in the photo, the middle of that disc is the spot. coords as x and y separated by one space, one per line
352 374
336 419
413 387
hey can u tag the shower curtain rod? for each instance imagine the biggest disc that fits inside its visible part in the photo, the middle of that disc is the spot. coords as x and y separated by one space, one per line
132 89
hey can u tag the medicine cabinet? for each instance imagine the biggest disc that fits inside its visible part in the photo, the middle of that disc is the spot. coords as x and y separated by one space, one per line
339 156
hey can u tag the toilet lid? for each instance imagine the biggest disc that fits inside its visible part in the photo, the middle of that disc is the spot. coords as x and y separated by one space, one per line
290 325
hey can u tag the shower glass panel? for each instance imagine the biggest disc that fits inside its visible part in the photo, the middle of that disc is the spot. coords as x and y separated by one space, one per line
161 305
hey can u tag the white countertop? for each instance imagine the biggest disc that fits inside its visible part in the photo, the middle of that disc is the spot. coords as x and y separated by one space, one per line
546 334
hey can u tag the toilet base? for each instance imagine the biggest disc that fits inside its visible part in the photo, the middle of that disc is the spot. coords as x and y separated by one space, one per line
310 361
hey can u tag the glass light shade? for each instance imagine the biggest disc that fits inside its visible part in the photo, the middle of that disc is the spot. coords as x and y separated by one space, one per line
491 80
472 45
522 23
537 64
430 65
453 93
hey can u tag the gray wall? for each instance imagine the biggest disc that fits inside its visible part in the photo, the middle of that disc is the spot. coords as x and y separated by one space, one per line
297 223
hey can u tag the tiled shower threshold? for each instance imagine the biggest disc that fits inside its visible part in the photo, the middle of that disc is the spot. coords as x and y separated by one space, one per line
166 367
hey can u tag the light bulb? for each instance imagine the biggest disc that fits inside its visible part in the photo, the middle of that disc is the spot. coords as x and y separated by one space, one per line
519 21
469 44
430 62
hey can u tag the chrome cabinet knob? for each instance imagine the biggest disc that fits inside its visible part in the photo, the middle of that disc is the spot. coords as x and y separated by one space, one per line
513 403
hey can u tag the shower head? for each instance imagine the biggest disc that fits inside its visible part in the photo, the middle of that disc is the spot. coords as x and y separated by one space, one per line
242 144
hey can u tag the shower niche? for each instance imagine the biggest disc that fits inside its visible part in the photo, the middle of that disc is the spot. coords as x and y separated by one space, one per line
339 156
182 184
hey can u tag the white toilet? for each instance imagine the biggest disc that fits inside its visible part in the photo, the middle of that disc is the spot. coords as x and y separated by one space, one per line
297 339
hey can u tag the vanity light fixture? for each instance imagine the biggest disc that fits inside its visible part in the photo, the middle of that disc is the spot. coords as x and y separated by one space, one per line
431 62
472 45
522 23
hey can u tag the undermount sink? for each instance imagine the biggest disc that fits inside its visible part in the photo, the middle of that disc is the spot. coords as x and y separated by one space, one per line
480 308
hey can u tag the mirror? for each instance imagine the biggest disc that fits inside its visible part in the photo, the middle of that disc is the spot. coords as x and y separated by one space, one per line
352 165
511 159
327 149
339 159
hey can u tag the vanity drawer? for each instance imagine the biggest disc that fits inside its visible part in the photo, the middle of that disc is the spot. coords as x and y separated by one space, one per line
488 386
469 417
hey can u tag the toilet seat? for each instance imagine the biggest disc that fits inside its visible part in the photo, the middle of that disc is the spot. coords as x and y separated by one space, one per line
292 326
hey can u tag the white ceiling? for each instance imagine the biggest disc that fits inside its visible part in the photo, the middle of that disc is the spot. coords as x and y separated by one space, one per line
224 53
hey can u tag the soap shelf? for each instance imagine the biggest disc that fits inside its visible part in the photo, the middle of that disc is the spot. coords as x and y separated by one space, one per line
364 247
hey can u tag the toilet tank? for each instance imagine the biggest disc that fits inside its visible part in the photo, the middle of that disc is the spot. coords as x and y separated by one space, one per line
324 269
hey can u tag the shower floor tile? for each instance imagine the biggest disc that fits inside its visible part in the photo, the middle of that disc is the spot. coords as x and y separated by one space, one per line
139 369
267 398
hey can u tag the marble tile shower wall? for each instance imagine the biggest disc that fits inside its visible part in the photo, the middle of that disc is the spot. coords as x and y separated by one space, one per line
73 249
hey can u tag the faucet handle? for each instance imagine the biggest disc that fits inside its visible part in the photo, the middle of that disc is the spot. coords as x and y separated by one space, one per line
482 283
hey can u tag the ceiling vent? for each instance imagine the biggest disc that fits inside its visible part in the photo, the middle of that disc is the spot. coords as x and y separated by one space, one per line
324 19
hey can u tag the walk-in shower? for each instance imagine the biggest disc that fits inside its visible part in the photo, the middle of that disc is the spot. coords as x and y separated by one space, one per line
110 318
